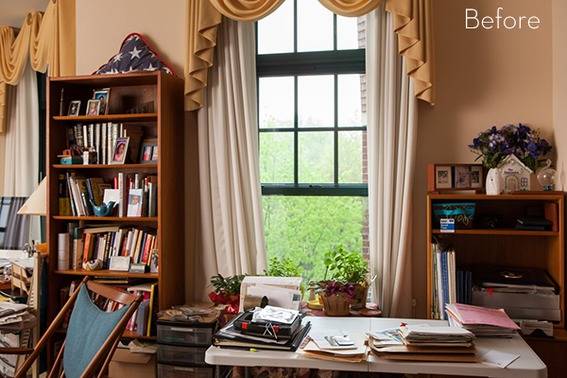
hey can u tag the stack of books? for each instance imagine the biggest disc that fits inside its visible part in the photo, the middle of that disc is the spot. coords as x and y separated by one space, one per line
482 321
423 342
251 329
103 242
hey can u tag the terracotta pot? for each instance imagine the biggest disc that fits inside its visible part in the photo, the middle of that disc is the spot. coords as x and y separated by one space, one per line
360 295
336 304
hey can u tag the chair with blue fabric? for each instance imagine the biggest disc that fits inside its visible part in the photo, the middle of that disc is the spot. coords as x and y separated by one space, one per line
92 334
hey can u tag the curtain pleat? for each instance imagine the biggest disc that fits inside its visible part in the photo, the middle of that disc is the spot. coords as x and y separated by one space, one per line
412 24
46 40
17 226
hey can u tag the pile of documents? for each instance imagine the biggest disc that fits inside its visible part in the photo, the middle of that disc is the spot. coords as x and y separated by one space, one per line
15 315
272 328
481 321
336 345
423 342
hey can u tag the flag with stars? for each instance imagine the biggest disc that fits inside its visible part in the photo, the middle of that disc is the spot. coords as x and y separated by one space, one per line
134 55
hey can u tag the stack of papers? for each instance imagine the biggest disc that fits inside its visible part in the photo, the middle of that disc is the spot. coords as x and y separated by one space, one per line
14 315
481 321
335 345
424 343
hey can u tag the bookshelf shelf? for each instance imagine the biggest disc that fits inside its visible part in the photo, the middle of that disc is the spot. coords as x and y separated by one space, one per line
107 273
116 167
106 219
142 90
488 232
137 117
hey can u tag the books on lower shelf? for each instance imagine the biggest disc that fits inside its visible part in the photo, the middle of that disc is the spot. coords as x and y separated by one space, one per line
78 195
101 138
103 242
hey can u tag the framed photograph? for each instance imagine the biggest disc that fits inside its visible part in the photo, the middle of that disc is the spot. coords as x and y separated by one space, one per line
74 108
93 107
149 151
103 95
476 177
135 202
462 177
120 151
443 177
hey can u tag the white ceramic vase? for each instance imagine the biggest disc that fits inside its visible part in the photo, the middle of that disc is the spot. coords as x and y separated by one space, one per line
493 182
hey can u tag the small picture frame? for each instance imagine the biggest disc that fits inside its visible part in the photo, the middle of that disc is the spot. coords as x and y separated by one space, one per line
93 107
103 95
74 108
443 177
135 203
120 151
149 151
476 177
462 177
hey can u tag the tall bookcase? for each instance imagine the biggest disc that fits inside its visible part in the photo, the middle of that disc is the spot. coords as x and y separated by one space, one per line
162 121
506 246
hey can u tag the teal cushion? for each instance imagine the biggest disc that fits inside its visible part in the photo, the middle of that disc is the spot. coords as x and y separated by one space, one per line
89 327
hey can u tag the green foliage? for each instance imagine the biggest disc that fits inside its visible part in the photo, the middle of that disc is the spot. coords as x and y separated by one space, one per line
345 266
227 285
283 267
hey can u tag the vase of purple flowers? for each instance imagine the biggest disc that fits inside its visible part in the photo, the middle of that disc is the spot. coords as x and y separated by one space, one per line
493 145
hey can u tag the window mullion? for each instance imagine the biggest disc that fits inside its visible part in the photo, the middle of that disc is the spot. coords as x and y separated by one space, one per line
336 130
295 133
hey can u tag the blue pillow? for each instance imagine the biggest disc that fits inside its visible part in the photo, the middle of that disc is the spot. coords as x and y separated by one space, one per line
89 327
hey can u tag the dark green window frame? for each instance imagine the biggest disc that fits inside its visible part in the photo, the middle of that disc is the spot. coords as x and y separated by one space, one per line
333 62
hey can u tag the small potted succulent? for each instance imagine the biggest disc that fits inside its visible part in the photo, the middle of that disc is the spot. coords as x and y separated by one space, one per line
226 292
347 285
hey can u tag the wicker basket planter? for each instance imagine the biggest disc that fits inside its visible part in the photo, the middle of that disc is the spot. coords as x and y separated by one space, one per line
360 295
336 304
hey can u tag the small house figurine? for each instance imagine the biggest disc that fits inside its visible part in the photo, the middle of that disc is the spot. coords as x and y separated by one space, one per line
515 174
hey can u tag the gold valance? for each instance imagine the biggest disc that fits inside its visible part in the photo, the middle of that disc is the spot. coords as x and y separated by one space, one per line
46 39
412 20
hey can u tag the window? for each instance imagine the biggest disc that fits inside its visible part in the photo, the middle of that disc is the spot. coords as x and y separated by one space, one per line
312 132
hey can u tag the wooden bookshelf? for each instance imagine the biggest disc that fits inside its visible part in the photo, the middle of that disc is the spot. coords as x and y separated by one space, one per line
166 124
505 246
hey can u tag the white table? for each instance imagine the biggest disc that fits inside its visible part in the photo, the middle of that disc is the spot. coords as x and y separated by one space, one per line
527 366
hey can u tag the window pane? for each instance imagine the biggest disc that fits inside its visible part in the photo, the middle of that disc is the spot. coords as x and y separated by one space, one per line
316 157
315 100
314 26
351 157
352 100
276 157
304 228
276 102
347 33
275 32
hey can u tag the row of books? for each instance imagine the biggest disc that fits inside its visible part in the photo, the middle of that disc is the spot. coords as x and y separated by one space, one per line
101 138
103 242
134 195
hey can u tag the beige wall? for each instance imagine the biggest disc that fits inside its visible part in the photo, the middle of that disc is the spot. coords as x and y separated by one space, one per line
484 78
560 88
103 24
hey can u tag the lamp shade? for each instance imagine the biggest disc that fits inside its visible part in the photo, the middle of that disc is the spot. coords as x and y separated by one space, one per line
36 203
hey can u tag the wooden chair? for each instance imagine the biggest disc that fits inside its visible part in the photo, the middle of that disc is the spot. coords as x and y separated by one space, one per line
92 334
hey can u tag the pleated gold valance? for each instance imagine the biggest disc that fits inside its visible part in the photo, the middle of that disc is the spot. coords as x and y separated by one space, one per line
412 21
46 40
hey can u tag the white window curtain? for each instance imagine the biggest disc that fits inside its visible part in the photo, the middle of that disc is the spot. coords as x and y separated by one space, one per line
231 211
21 155
392 125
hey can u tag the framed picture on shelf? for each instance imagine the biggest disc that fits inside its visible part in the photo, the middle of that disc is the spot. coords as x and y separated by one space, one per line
149 151
462 177
93 107
103 95
135 202
476 176
120 151
443 177
74 108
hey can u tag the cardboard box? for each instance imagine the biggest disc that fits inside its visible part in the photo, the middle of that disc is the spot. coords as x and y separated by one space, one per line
127 364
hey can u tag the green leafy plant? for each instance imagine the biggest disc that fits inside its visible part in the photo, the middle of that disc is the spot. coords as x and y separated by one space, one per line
345 266
227 285
284 267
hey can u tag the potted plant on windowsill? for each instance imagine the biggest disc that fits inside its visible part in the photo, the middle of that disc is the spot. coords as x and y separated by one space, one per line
348 283
226 292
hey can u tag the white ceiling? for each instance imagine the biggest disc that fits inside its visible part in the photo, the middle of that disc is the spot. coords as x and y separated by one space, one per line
12 12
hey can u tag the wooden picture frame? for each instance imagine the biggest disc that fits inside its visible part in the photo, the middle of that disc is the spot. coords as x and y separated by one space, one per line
454 177
147 154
